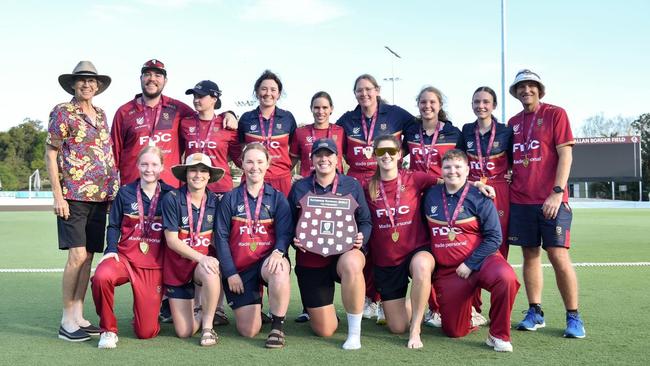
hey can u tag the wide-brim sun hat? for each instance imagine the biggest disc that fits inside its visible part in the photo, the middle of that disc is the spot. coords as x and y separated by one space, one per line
527 75
180 170
84 68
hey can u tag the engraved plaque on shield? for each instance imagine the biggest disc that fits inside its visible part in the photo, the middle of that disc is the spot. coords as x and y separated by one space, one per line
327 225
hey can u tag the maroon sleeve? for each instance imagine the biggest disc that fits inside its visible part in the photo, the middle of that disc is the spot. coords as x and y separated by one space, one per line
562 134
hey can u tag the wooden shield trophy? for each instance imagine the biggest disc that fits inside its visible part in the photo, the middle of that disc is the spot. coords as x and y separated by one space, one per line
327 225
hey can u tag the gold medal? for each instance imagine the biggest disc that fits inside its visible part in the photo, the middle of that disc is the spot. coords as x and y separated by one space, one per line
451 235
395 236
484 179
367 152
253 246
526 162
144 247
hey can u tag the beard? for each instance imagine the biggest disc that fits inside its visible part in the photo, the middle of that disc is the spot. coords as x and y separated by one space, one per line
151 95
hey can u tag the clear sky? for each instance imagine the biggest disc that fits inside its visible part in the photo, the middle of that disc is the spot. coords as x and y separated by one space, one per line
592 56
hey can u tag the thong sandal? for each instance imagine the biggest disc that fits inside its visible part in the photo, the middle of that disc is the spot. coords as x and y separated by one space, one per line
275 339
209 337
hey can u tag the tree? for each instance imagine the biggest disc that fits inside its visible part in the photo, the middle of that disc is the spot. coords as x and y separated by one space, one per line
22 150
599 126
641 127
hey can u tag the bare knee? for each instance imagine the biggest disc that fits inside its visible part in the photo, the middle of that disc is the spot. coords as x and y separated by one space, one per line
397 328
324 331
247 331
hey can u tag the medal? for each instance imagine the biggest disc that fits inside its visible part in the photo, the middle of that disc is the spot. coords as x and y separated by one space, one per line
526 162
484 179
367 152
459 208
253 246
146 221
392 216
152 143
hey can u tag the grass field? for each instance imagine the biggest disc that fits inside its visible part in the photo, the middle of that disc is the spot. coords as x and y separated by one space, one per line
615 302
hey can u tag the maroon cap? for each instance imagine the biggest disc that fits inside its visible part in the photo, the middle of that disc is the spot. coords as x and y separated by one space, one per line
154 64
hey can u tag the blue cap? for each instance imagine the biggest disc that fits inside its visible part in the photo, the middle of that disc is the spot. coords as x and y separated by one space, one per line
324 143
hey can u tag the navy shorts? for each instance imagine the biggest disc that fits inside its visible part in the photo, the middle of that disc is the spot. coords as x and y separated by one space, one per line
253 286
529 228
317 284
185 292
392 281
85 227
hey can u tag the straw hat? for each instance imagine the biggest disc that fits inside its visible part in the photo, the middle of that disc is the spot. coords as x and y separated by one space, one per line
84 68
180 171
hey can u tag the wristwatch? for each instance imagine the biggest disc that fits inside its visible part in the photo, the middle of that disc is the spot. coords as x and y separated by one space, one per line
558 189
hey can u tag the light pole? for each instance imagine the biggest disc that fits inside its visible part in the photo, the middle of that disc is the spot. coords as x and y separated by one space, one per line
392 79
503 61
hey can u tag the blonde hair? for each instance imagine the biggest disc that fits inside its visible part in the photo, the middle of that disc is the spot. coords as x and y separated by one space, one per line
151 149
373 185
255 146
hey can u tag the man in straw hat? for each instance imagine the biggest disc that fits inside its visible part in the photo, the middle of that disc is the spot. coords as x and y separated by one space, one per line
188 219
539 210
81 168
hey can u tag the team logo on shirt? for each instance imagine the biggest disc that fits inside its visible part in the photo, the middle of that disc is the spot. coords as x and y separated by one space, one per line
165 115
416 137
441 137
210 218
192 129
558 230
515 129
470 144
356 130
335 137
240 208
496 144
139 120
539 122
253 127
134 206
310 139
383 126
501 213
402 188
278 126
185 220
434 209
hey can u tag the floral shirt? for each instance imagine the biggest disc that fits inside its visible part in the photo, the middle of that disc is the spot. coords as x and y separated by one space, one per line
86 166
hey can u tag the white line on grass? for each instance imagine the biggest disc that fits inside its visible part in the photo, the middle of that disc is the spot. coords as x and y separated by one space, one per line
607 264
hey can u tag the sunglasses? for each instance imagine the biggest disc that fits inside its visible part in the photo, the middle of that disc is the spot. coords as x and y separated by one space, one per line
381 151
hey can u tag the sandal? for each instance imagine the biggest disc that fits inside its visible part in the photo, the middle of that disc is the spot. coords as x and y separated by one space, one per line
220 318
275 339
209 337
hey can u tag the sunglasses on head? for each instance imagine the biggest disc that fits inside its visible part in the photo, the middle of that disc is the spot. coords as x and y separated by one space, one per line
381 151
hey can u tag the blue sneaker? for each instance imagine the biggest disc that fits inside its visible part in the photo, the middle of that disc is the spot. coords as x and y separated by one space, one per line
574 326
532 321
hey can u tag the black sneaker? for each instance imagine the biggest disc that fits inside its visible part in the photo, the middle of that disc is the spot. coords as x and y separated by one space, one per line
303 317
91 329
165 312
76 336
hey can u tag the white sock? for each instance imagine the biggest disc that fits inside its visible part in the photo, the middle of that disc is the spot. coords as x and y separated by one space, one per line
354 331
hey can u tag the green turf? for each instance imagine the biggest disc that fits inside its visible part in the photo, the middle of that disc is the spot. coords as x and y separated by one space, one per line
614 301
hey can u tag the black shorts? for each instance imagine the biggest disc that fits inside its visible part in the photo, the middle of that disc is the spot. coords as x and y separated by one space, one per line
529 228
392 282
86 226
317 284
253 286
185 291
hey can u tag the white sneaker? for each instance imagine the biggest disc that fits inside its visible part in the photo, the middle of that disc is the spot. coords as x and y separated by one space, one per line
107 340
369 309
381 317
477 318
432 319
499 345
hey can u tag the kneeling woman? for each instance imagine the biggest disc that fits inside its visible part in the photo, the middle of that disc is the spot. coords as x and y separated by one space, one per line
398 242
253 232
188 217
134 251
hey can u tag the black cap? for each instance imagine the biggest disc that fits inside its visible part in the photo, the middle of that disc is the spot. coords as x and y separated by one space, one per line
327 144
154 64
206 87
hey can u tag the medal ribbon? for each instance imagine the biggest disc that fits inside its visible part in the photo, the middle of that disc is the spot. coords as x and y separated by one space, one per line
528 138
265 136
253 222
451 222
372 126
198 132
145 223
157 109
392 217
313 132
335 184
195 234
477 142
434 139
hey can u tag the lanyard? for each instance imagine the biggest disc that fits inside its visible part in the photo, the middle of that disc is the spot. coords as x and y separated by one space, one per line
392 217
265 136
372 126
459 206
207 136
335 184
529 136
477 143
253 222
434 139
313 132
145 223
195 235
158 110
